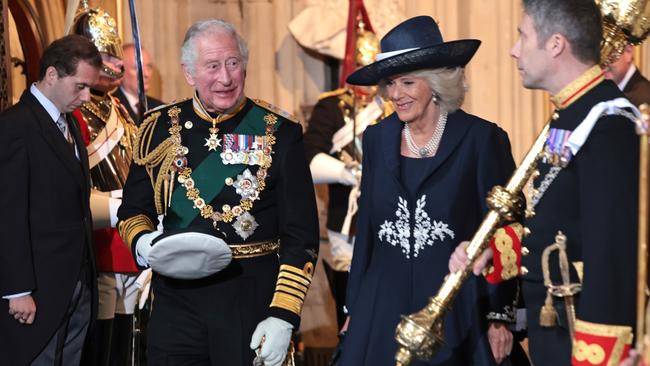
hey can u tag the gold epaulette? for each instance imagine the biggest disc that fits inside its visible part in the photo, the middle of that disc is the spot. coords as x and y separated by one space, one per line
333 93
162 106
292 286
272 108
132 226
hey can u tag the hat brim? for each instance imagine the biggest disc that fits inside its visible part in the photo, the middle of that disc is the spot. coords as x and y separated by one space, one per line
189 255
448 54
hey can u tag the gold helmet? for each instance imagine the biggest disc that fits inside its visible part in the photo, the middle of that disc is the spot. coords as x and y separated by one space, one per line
367 46
624 22
98 26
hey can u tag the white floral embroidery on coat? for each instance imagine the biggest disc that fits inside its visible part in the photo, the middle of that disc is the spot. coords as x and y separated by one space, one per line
425 232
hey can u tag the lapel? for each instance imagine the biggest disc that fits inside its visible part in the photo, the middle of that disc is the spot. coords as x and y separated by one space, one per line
391 138
125 102
73 125
633 80
55 139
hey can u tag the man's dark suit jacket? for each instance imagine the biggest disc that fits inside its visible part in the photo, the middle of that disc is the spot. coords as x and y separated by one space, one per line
151 104
637 89
45 223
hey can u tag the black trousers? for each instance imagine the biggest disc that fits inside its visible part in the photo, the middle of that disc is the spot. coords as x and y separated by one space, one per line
210 321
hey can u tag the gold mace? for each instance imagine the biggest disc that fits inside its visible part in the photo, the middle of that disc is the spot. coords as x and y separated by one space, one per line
421 334
624 22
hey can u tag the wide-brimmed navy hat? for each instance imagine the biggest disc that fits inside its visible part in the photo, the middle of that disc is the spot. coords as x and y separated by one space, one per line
414 44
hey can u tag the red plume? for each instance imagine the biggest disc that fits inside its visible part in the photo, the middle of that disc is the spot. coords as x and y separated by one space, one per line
356 11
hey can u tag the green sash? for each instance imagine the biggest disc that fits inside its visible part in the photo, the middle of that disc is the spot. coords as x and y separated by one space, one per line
210 175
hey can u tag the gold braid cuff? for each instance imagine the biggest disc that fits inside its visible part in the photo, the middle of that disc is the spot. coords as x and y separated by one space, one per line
600 344
132 226
292 287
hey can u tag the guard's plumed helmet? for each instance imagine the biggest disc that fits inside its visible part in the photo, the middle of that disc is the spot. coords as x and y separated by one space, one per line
98 26
367 46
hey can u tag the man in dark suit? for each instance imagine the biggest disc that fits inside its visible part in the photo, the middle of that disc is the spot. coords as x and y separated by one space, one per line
628 78
127 93
47 270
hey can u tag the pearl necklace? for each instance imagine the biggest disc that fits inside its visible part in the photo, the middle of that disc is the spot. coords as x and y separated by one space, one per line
431 147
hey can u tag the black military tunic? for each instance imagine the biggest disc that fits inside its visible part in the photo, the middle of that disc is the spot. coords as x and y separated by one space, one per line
593 202
214 317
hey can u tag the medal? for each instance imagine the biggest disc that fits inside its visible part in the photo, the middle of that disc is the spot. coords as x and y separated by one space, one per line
245 225
557 152
213 142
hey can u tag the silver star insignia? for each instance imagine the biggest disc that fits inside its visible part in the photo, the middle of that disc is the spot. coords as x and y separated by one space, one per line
213 142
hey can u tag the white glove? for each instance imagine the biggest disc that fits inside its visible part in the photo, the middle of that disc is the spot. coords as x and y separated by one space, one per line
277 336
143 247
327 169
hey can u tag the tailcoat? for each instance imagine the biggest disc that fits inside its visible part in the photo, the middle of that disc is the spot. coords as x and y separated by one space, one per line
46 224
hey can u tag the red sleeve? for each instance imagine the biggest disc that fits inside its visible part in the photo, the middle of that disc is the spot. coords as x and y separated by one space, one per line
83 126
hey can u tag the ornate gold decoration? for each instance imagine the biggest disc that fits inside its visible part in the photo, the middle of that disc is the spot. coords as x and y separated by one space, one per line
291 288
101 28
624 22
622 334
367 46
578 87
132 226
566 290
251 250
246 203
421 334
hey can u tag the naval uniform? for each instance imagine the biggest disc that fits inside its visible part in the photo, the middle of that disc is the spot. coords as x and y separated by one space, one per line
252 181
592 200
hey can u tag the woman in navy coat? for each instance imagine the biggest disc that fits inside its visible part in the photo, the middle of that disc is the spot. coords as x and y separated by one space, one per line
426 172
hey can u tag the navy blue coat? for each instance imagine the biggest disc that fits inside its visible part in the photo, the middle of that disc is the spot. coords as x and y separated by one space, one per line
403 243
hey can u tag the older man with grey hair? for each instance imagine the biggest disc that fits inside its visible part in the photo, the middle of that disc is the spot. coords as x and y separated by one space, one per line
236 254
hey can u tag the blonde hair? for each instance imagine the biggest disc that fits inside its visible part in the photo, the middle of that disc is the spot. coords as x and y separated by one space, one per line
447 84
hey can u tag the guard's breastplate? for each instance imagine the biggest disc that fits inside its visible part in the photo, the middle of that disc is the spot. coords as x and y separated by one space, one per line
105 119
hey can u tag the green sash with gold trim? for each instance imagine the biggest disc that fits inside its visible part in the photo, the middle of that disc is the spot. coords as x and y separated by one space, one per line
210 175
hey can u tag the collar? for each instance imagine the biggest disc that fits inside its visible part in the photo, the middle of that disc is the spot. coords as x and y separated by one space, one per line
51 109
628 75
200 110
578 87
132 99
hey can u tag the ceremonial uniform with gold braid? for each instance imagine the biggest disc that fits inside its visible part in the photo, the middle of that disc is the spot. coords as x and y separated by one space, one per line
109 134
250 179
588 203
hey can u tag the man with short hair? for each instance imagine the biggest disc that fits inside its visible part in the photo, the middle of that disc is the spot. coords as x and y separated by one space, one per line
628 78
582 214
240 240
586 194
47 269
127 93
